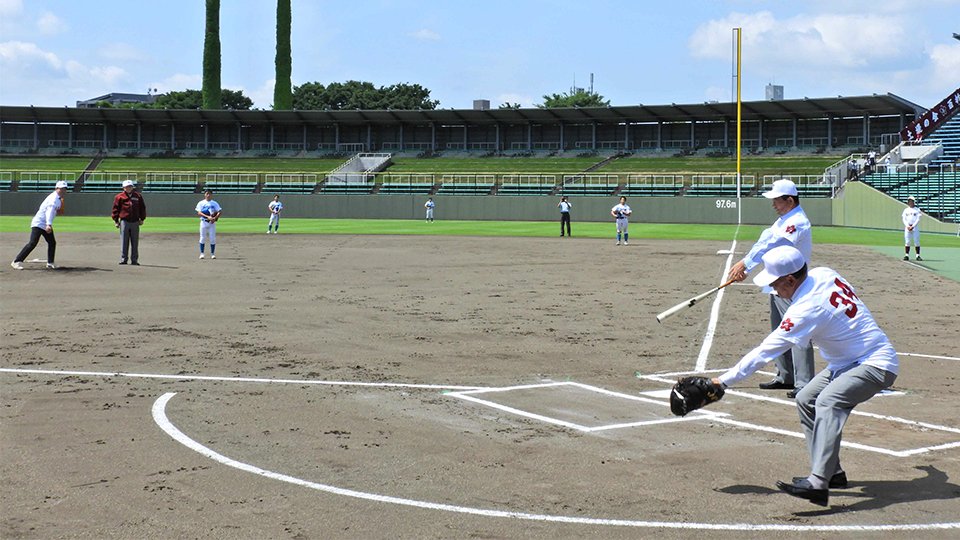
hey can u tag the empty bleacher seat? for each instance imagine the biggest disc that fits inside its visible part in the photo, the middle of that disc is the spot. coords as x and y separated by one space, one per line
242 186
465 188
347 189
651 190
525 189
400 188
289 187
39 185
169 186
596 190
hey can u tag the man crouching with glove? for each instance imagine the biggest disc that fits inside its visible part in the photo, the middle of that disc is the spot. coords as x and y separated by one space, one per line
861 362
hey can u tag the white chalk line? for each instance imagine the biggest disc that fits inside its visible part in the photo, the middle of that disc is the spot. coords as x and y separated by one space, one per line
469 395
160 417
896 419
715 309
236 379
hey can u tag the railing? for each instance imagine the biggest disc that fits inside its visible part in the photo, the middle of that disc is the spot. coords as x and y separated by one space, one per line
17 143
66 143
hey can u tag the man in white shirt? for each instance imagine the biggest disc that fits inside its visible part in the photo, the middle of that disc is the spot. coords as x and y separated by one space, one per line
565 207
860 360
911 228
42 225
792 228
621 212
275 208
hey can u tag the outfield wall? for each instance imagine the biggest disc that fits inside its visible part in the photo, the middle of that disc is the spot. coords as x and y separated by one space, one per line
860 205
501 208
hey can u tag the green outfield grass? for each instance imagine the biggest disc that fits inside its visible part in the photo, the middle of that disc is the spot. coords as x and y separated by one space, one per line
8 163
161 225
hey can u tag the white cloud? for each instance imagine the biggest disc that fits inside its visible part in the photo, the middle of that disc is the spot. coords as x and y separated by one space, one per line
425 35
524 100
262 97
50 24
178 82
811 42
10 7
945 61
14 54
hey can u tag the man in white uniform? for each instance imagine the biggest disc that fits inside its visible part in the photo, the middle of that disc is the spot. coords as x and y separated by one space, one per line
275 207
911 228
792 228
429 205
860 360
42 225
622 214
209 212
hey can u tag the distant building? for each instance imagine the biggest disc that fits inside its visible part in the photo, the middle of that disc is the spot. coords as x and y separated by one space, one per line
116 99
774 92
481 104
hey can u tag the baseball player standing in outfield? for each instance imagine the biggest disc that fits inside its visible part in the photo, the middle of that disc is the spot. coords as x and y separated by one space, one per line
209 212
275 207
430 205
911 228
861 361
622 212
42 225
129 213
564 207
795 367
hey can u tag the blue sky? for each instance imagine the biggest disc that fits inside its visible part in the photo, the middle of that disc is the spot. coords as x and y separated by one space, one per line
55 52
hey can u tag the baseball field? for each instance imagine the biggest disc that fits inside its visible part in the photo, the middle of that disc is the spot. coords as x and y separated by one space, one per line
446 384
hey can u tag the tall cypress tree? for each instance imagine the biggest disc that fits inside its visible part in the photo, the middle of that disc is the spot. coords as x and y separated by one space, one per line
212 96
282 90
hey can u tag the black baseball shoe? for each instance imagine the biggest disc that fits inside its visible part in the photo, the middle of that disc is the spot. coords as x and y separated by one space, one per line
837 481
775 385
804 490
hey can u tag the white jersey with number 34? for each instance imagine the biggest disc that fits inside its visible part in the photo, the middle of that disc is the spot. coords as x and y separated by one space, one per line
826 310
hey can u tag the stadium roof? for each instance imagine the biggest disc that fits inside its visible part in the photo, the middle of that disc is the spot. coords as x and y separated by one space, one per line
817 108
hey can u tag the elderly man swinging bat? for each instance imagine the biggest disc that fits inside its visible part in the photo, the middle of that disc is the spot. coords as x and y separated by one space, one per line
825 309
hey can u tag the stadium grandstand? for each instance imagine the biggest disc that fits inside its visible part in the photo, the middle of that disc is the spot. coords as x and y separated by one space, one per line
598 152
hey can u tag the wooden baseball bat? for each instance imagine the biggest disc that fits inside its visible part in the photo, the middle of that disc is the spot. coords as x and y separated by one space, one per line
688 303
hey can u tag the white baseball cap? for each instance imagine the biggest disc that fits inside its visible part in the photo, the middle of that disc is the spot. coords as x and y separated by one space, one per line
781 188
127 183
779 262
910 198
61 184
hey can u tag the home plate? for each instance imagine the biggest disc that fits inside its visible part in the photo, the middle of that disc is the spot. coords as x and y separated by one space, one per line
660 394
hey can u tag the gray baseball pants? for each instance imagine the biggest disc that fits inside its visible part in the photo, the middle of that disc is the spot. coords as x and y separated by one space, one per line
796 365
129 240
824 405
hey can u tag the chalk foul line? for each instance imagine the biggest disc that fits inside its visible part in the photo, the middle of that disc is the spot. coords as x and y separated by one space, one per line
161 419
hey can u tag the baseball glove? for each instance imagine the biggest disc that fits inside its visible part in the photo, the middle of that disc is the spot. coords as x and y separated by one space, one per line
692 393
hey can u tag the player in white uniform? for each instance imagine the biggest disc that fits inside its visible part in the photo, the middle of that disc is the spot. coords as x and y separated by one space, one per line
275 207
795 368
860 360
209 212
622 213
911 228
430 205
565 207
42 225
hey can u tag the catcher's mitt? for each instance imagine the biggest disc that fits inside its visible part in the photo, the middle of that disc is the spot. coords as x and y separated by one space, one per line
692 393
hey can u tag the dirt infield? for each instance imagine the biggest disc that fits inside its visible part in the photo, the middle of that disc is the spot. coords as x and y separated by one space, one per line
573 450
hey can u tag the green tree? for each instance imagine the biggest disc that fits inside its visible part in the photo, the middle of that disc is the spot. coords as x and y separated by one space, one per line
212 98
282 94
193 99
508 105
577 98
361 95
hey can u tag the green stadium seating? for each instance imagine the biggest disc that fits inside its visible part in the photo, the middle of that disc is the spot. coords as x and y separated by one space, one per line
288 187
6 185
231 187
164 186
397 189
651 190
590 190
525 189
347 189
39 185
465 188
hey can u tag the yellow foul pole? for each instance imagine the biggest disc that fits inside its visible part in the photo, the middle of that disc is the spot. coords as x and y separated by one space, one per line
739 32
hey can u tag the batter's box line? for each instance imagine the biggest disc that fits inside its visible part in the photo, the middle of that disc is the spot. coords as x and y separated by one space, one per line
769 429
469 396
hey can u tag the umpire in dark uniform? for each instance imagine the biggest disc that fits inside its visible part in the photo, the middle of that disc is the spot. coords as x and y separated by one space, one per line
129 212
